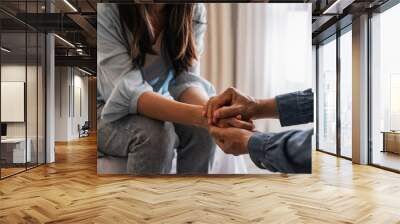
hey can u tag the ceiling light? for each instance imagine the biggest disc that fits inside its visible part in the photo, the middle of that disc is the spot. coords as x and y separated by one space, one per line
5 50
331 7
84 71
65 41
80 51
70 5
338 6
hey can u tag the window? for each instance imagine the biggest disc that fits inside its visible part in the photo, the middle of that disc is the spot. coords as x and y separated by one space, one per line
385 89
395 102
14 153
327 96
346 94
23 77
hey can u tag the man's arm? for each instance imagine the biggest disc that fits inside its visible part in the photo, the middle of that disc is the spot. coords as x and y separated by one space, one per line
296 108
285 152
292 108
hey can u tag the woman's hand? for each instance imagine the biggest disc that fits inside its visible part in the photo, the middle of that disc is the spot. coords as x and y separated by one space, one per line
236 122
159 107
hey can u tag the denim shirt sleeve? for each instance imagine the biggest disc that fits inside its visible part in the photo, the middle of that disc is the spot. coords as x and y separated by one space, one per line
119 85
285 152
296 108
191 78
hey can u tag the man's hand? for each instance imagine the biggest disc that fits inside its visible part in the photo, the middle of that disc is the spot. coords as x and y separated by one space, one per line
235 122
231 140
230 103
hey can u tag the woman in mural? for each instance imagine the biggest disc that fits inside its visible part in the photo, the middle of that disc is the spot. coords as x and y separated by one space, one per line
150 93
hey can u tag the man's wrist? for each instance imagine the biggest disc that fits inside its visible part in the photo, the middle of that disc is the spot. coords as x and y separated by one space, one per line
256 108
266 108
246 138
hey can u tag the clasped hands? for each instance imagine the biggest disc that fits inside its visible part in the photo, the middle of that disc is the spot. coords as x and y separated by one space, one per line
229 116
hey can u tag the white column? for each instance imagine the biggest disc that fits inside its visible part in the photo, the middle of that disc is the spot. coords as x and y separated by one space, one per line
50 109
50 92
314 87
360 90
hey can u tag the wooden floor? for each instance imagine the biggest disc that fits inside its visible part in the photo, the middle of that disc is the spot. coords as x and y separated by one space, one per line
69 191
5 172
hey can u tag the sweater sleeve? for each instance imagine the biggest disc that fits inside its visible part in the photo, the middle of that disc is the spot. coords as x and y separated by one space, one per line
119 84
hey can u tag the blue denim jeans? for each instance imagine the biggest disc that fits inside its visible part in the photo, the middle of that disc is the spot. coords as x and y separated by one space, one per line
149 145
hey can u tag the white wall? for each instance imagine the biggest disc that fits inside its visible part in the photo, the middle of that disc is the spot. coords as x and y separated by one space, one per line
62 81
79 117
70 83
16 73
34 126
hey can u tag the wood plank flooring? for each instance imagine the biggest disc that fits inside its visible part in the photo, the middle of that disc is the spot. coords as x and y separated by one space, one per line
10 171
70 191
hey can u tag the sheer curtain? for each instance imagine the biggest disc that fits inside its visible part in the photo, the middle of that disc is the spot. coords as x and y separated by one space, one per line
218 66
274 52
217 61
263 50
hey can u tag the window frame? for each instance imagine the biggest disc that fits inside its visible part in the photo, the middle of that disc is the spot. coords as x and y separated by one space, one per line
27 29
334 37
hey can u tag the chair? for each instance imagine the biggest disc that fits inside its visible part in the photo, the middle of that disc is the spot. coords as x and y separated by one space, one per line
84 130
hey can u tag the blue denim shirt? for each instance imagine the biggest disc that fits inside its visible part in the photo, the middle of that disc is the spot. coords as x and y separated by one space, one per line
288 151
119 85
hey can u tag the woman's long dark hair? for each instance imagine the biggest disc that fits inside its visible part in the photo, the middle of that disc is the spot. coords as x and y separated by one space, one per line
178 36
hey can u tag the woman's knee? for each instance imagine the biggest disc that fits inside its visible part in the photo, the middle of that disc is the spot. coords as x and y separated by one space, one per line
195 144
202 136
149 138
152 150
134 133
155 133
195 136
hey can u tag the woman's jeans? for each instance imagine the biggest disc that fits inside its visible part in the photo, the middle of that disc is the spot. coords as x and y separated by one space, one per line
149 145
